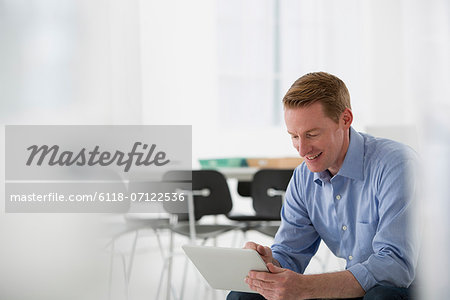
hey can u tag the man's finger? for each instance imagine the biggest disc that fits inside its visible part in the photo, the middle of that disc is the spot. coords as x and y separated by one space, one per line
262 276
258 283
274 269
251 245
262 250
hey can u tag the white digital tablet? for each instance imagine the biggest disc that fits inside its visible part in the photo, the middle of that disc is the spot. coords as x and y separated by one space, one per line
225 268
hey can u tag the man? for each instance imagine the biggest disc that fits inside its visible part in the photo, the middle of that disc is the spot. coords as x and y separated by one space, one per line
353 191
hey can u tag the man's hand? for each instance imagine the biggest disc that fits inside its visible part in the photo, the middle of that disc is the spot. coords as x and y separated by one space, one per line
285 284
264 252
278 284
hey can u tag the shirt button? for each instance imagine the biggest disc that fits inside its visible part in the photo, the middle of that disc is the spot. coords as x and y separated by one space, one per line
338 197
344 228
350 257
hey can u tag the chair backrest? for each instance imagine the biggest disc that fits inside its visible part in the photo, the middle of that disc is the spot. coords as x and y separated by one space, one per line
263 180
217 202
244 188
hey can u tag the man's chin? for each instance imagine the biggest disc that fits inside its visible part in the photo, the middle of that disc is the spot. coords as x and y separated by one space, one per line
313 168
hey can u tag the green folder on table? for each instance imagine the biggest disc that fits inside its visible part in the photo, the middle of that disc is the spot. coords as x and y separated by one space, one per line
235 162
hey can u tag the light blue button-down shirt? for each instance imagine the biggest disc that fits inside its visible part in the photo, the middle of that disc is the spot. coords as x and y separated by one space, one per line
362 213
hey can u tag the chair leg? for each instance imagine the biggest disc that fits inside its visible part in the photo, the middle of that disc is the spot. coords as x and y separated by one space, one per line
125 275
164 259
160 280
237 242
127 270
124 263
160 284
133 251
183 284
158 239
111 269
169 271
234 239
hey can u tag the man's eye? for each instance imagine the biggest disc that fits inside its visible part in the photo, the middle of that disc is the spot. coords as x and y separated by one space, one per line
311 135
294 137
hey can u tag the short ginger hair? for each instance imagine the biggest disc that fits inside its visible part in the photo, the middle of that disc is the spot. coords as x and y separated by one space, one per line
319 87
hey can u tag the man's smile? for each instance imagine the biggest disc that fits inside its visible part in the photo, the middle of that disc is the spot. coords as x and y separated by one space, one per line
313 157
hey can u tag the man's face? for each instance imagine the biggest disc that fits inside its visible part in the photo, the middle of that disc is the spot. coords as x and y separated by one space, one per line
321 141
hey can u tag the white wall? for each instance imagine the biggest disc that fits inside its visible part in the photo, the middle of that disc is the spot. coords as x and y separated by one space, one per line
366 43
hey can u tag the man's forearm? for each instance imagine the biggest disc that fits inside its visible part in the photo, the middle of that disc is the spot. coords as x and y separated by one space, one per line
333 285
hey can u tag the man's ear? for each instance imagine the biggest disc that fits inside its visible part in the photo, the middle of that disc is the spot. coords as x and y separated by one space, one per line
347 117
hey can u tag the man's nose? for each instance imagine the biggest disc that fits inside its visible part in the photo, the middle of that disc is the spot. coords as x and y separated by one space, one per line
304 148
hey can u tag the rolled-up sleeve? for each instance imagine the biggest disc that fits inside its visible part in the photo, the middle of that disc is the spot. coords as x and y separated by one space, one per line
296 240
396 241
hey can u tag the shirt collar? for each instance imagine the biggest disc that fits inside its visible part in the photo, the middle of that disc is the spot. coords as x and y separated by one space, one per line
353 166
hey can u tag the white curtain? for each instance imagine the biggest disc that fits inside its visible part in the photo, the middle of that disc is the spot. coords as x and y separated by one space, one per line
428 75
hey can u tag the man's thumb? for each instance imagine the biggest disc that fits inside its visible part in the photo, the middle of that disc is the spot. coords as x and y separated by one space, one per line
262 250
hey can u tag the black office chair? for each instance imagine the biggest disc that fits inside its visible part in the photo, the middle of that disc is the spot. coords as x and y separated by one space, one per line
209 196
244 188
267 191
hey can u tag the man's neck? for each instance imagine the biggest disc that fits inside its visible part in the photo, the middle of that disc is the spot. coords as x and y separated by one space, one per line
344 150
